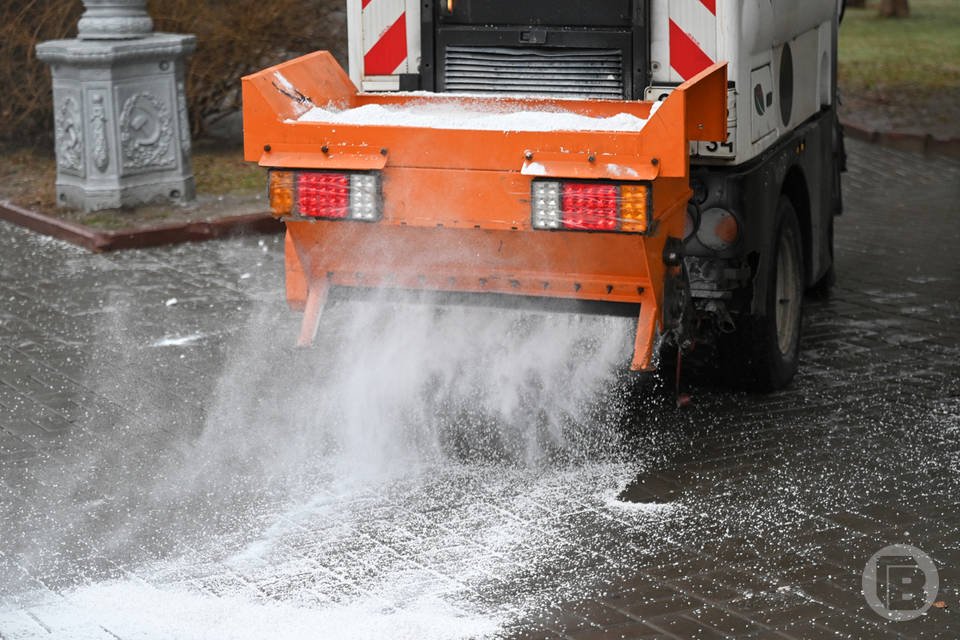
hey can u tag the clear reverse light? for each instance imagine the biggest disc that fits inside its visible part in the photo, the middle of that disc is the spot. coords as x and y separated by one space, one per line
546 205
364 196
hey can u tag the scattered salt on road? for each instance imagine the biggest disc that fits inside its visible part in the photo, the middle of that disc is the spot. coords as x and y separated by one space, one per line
177 341
649 508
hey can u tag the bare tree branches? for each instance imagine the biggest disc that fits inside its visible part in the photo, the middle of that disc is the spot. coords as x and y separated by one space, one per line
234 38
894 9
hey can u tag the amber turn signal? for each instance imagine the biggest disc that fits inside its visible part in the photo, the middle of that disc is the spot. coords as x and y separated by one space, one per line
281 193
633 208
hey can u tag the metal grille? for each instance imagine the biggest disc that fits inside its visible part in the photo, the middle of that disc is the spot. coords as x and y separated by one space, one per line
571 73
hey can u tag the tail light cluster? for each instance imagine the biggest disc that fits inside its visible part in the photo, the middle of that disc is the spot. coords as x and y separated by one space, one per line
590 206
326 194
355 195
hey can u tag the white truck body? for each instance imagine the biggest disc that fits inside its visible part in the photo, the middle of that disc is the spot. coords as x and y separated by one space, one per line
779 55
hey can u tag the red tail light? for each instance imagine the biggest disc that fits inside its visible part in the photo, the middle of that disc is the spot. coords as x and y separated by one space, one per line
589 206
323 195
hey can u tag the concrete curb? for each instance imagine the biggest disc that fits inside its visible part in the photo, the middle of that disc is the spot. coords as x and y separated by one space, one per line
173 233
916 142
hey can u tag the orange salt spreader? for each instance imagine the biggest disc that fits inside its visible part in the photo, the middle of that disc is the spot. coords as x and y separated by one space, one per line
587 215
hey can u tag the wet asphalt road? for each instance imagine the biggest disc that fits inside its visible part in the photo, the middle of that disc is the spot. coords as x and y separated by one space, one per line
171 468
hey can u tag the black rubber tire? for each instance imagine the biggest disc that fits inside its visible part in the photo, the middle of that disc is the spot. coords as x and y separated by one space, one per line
763 354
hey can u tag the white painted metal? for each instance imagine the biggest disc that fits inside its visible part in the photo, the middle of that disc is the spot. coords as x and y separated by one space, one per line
413 37
355 42
375 84
750 35
763 107
769 23
696 20
660 43
365 27
377 17
805 50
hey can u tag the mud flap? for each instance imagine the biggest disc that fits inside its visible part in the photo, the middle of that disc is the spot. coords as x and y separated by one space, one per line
296 278
316 299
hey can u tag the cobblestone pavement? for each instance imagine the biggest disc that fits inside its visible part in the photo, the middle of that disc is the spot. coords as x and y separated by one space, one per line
170 468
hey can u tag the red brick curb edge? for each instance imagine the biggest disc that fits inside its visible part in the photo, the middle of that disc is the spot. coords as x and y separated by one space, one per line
172 233
921 143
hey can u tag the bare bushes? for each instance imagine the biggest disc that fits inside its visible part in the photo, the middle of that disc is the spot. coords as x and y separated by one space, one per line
234 38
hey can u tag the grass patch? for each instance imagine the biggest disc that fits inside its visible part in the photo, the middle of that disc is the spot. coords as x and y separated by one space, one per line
919 54
226 186
27 176
221 170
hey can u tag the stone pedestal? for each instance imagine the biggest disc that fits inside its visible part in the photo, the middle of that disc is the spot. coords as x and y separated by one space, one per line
120 110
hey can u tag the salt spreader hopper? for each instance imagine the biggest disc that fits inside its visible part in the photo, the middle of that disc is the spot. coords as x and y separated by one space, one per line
571 199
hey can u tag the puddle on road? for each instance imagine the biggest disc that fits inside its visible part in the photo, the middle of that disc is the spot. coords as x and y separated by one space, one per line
422 473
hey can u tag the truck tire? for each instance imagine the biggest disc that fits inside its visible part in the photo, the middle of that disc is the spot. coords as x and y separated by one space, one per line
777 339
766 347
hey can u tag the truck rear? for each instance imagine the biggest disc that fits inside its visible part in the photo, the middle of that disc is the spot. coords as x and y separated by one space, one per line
521 149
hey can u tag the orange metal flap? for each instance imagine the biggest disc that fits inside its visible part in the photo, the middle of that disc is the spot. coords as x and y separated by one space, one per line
334 160
578 166
705 97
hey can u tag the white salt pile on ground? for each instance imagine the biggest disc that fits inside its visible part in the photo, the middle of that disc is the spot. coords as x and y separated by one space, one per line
458 115
453 551
129 608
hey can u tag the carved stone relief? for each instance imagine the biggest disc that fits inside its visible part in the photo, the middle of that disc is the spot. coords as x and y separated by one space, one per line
145 132
98 130
184 120
68 133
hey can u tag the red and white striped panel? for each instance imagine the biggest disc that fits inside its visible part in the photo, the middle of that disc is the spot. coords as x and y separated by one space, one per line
384 36
693 37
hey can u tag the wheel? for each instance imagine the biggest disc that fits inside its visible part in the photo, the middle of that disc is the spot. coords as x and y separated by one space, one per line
767 346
